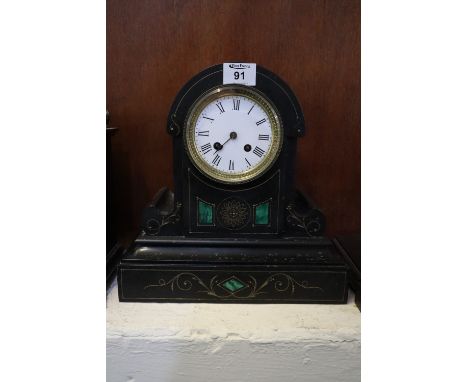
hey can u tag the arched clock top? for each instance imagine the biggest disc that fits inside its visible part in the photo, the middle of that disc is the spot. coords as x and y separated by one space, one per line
267 83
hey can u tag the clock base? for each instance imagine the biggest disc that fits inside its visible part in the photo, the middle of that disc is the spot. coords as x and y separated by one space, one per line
280 270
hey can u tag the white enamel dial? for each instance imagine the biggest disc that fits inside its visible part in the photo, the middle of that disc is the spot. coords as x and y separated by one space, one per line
235 135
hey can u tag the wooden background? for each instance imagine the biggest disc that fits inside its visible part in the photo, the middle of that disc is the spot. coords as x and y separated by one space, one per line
154 47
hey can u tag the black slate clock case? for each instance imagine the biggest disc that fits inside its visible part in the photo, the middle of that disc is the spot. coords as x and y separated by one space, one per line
284 259
276 184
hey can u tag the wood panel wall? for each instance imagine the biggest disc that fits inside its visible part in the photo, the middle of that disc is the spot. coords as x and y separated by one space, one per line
154 47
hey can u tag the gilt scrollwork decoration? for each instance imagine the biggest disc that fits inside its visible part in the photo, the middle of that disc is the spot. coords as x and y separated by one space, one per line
154 225
174 126
311 222
232 287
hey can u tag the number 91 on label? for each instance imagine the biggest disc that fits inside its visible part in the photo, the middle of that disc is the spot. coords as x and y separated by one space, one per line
239 73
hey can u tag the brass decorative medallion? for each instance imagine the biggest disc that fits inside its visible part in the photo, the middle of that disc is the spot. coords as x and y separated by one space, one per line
233 213
233 134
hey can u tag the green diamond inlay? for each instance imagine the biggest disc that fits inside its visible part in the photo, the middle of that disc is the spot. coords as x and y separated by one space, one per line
205 213
233 284
262 213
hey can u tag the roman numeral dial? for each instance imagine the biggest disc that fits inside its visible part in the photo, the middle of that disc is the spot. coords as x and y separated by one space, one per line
216 160
219 105
206 148
258 151
232 134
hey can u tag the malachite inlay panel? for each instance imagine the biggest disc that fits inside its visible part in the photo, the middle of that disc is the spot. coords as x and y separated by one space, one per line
205 213
262 214
233 285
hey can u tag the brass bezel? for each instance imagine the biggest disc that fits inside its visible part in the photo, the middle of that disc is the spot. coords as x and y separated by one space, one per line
276 134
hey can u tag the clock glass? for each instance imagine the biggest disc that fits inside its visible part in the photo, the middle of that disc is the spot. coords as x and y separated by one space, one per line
233 134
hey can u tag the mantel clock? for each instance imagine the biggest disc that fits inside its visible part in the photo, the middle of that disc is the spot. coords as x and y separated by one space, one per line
235 229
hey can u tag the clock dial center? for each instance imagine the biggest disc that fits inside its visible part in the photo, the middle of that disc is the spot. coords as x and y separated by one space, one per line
218 146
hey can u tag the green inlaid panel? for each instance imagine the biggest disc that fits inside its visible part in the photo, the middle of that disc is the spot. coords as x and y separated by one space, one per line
233 285
262 214
205 213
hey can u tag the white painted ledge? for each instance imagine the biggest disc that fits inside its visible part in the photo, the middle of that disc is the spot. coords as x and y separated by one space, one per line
156 342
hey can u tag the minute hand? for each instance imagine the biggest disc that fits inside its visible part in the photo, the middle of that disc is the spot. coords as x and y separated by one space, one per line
233 135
